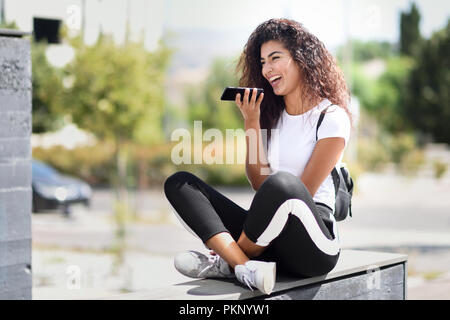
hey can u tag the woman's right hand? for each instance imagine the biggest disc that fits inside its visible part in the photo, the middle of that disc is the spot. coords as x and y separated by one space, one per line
250 109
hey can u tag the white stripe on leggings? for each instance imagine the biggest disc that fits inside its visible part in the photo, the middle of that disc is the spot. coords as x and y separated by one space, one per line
298 208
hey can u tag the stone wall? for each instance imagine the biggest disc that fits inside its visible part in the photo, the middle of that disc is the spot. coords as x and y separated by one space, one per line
15 168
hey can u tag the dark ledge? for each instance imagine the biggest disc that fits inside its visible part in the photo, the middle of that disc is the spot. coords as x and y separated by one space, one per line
13 33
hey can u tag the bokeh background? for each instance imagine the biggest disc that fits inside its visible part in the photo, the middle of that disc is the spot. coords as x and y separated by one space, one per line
122 75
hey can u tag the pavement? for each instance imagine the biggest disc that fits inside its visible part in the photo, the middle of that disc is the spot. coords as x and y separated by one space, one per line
81 257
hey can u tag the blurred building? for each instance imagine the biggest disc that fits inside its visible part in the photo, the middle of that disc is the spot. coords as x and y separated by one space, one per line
70 137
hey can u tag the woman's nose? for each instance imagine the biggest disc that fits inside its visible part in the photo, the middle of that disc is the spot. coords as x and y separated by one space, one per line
267 71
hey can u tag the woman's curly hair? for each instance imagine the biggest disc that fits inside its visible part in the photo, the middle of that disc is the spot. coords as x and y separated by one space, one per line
321 75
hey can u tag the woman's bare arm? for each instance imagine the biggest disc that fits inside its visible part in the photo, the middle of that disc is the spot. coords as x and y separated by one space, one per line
256 165
322 161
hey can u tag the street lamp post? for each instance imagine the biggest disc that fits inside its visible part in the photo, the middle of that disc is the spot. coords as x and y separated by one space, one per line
2 11
127 26
83 19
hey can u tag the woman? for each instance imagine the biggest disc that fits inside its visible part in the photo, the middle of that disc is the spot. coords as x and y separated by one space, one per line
290 223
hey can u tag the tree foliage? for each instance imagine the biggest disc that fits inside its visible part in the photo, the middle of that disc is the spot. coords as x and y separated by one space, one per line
427 104
47 91
387 98
116 91
9 25
46 87
412 92
410 38
363 51
204 102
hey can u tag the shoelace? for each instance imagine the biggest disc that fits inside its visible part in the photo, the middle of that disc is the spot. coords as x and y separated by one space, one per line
214 259
248 279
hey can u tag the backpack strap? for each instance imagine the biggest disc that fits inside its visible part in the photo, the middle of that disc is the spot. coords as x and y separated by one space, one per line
334 172
349 182
322 115
336 180
319 122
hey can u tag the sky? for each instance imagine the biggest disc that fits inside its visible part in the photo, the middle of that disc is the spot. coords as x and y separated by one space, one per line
205 29
332 21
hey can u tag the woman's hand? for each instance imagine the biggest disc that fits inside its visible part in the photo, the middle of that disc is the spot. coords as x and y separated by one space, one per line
249 108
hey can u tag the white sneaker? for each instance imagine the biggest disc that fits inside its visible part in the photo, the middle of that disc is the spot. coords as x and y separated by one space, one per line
258 274
197 265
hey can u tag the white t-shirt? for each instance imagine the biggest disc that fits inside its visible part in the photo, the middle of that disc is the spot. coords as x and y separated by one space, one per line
291 146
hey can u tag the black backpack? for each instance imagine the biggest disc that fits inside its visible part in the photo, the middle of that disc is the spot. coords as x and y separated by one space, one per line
343 185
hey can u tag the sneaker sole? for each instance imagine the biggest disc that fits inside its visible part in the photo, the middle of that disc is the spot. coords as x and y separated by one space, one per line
265 280
269 278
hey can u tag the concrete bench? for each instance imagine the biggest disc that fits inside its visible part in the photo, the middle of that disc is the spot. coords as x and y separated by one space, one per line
357 275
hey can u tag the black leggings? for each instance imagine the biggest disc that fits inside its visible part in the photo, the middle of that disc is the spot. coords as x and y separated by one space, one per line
300 235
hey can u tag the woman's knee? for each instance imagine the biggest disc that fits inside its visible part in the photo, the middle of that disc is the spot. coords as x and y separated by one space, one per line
175 180
284 182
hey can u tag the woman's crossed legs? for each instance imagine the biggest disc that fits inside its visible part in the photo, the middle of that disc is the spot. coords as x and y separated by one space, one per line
283 224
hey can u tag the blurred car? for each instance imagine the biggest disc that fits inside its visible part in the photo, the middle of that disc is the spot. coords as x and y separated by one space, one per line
52 190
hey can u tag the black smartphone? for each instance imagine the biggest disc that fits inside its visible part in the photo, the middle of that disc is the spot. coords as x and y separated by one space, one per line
229 94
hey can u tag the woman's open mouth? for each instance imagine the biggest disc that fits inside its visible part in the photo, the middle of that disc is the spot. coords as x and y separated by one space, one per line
275 80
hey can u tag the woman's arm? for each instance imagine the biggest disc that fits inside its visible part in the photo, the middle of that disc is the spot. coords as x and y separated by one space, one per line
256 164
323 159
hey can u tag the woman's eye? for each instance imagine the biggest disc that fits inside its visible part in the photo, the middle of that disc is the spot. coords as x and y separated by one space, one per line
275 58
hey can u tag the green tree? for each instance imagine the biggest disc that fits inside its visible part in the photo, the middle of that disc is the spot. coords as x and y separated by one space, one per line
47 91
204 104
410 38
117 93
9 25
204 100
384 96
363 51
389 94
427 104
46 87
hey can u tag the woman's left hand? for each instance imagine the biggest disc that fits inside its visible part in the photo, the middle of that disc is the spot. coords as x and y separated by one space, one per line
249 107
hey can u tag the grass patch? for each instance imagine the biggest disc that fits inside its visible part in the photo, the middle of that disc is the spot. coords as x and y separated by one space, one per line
432 275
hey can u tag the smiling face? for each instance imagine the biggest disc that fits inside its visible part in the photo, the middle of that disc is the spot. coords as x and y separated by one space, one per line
279 68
